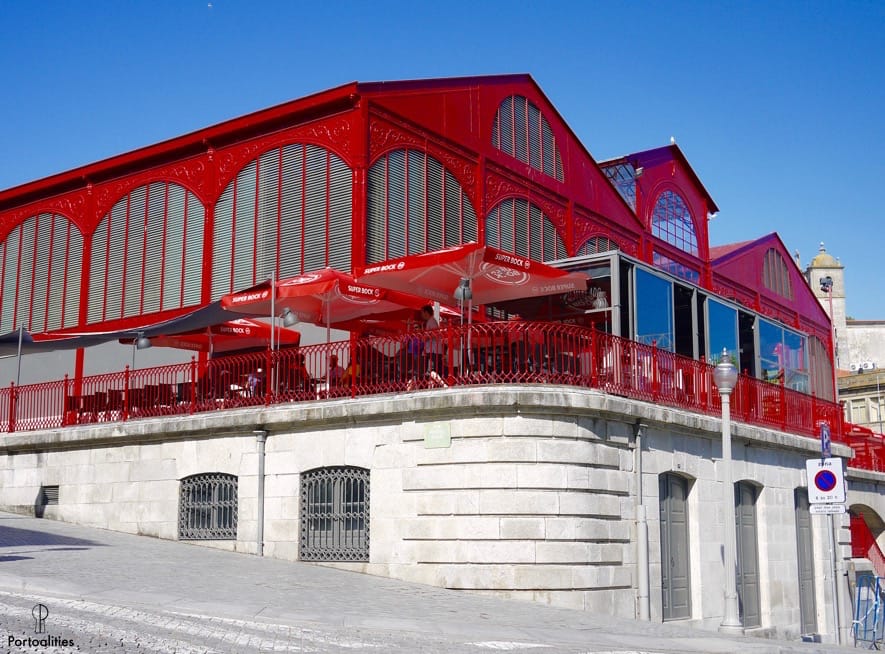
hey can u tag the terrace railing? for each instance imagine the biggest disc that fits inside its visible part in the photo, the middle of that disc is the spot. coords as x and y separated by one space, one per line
511 352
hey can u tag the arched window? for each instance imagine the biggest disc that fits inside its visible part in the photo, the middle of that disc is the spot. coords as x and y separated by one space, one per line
415 205
207 508
522 131
519 226
288 212
335 514
597 244
671 222
147 253
41 262
776 275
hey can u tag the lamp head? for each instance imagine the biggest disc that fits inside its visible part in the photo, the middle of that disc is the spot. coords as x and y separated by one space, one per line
463 292
826 284
142 342
289 318
725 374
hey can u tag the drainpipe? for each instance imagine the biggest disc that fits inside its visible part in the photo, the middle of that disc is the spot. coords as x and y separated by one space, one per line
261 437
836 577
641 530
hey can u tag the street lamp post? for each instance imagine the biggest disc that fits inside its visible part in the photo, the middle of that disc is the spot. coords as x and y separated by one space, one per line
725 377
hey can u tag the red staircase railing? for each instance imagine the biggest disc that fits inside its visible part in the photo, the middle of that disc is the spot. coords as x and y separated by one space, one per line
484 353
863 544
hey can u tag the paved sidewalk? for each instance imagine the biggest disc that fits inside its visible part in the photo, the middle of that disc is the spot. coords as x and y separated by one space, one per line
111 592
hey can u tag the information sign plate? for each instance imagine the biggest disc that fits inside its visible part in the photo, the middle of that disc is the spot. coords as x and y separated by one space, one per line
826 508
826 482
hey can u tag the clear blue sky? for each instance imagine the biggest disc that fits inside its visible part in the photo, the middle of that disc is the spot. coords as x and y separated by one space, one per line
779 106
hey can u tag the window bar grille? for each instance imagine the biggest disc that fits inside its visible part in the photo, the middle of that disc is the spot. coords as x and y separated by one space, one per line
208 507
335 514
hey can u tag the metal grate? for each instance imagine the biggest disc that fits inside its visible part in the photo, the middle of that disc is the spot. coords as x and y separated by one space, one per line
414 205
518 226
335 514
49 495
208 507
287 211
522 131
40 261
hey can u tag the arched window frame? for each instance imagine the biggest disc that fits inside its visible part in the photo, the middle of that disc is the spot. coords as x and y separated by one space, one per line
673 223
415 205
597 244
147 253
41 267
521 130
286 212
519 226
776 274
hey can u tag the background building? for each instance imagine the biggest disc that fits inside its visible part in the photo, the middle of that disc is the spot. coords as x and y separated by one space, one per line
860 351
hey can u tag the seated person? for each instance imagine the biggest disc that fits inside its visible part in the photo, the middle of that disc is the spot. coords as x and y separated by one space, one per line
255 382
299 376
352 374
336 372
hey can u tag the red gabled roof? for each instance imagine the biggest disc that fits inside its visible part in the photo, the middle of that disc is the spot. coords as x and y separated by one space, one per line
186 145
718 252
656 156
743 263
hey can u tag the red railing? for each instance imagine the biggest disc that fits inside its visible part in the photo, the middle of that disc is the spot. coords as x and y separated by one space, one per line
863 544
485 353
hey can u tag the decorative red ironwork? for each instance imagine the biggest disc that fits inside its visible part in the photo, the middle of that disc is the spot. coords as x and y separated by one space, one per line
511 352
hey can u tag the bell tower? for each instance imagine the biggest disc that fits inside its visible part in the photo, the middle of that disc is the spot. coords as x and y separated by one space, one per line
826 277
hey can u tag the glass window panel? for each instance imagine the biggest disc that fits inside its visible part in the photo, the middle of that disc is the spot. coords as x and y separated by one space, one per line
722 327
770 350
795 362
654 310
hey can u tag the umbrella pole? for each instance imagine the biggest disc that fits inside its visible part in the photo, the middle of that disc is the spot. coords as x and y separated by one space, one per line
328 322
469 329
18 373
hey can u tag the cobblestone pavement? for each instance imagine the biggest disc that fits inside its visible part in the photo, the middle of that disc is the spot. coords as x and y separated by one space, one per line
107 592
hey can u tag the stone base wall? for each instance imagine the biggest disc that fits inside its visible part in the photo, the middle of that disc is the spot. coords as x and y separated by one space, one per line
529 493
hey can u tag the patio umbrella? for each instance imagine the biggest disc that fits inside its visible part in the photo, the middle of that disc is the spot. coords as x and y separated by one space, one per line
491 275
476 273
238 334
322 297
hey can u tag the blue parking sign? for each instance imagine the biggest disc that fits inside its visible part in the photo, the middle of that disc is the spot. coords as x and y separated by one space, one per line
825 440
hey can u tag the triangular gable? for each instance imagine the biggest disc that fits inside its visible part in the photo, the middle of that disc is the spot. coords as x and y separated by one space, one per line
463 109
743 263
673 153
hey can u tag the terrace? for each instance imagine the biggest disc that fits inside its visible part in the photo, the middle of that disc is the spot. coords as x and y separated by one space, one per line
483 354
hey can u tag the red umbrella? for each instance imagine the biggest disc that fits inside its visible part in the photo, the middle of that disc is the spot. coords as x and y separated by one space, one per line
492 275
324 296
240 334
